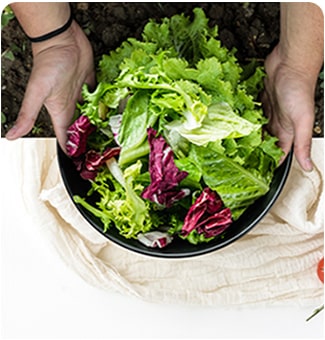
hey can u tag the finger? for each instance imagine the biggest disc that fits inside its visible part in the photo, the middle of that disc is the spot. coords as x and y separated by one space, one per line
266 104
283 132
30 108
61 120
91 80
285 139
285 143
61 124
91 83
302 145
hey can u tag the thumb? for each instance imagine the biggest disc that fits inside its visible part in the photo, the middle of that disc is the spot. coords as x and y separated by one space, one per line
302 145
303 132
28 113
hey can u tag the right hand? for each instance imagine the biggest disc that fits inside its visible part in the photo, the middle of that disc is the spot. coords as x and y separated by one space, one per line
61 66
289 104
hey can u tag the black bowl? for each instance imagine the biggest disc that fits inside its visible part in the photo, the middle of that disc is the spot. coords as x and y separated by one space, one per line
179 248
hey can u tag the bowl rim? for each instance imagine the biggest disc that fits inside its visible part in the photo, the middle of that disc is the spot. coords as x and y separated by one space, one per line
231 235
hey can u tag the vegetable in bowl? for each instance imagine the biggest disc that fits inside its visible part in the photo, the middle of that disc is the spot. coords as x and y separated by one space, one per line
173 138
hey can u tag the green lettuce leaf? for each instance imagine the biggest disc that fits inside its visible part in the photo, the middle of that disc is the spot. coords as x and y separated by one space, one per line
137 117
182 82
238 185
218 122
120 206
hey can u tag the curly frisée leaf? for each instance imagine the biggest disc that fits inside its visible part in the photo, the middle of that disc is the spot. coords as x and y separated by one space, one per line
119 206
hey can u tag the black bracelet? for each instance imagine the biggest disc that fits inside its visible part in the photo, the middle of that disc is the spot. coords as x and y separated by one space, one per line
54 33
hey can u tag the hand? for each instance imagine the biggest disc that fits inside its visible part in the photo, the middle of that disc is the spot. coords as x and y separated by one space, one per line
61 66
289 103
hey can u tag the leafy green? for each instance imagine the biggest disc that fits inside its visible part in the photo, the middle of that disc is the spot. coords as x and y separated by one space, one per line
219 122
120 205
182 82
238 179
137 116
6 16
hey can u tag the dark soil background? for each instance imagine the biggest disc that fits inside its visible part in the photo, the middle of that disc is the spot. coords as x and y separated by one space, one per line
252 28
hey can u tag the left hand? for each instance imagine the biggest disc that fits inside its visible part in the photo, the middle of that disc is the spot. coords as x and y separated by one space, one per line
61 66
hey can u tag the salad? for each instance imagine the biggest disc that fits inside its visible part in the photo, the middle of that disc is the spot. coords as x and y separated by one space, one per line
173 138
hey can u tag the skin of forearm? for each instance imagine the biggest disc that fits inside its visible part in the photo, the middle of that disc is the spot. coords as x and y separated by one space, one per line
302 36
39 18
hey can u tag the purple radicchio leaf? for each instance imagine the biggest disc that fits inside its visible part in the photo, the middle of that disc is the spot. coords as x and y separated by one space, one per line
86 162
78 133
164 174
207 215
93 160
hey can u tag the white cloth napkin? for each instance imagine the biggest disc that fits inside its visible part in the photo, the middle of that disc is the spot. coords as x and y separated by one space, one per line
274 264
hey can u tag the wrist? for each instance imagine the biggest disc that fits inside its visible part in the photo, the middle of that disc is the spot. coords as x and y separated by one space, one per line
54 33
281 71
41 18
66 38
307 65
301 45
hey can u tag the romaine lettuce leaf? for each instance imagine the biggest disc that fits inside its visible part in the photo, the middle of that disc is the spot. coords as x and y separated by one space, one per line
238 186
136 118
219 122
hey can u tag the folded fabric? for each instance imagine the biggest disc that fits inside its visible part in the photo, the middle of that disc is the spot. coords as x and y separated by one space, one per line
274 264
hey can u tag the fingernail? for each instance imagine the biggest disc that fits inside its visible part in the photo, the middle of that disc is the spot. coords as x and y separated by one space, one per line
308 165
11 132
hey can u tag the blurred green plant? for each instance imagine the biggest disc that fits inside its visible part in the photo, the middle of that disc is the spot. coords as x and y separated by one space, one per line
8 54
12 50
6 15
3 118
37 130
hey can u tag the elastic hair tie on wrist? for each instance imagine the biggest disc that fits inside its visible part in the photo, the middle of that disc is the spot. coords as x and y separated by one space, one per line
54 33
